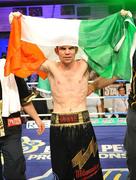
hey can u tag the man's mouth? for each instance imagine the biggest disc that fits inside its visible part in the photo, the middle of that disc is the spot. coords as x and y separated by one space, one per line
67 57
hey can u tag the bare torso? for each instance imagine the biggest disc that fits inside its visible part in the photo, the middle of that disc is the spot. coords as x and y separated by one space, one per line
69 86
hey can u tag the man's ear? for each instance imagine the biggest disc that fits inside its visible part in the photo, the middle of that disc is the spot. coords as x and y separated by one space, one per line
76 49
56 50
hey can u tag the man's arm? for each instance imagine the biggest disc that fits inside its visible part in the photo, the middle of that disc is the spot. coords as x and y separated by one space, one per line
29 109
45 66
100 83
26 102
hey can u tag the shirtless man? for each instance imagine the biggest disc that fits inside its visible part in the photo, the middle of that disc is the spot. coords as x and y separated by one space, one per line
74 151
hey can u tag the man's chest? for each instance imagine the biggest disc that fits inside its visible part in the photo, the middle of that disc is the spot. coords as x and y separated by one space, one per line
74 79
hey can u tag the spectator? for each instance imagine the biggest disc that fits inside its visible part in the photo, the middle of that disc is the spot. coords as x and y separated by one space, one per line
120 104
94 104
13 95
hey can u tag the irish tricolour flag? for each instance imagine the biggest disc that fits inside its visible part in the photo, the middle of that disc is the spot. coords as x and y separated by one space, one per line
104 43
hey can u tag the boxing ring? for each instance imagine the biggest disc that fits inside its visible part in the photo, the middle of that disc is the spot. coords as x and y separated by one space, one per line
109 133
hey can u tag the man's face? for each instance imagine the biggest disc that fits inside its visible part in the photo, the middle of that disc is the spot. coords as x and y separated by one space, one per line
122 91
66 53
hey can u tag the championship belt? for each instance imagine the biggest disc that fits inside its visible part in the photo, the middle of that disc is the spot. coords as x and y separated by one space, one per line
68 118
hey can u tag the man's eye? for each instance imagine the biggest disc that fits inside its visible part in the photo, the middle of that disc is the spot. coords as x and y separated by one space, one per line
71 48
62 48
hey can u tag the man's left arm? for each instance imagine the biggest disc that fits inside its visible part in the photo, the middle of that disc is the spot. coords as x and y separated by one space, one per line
100 83
26 101
30 109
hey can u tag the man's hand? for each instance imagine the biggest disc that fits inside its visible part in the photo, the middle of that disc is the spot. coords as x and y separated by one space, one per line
125 13
41 127
12 14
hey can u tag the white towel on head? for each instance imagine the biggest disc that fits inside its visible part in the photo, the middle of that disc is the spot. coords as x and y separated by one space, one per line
10 95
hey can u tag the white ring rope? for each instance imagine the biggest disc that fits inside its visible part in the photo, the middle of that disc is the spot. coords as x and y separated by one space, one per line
102 113
99 97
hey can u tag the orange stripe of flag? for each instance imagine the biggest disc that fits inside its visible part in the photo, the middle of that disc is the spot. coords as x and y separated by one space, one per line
23 58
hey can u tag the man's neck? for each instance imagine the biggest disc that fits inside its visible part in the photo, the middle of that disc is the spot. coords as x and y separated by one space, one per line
67 66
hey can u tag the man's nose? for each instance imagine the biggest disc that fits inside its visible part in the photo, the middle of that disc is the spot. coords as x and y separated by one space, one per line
67 51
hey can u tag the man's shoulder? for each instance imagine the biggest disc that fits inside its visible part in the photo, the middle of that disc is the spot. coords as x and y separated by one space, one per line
49 63
81 60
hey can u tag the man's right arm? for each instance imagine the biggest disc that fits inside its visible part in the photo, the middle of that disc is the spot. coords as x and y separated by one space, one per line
45 66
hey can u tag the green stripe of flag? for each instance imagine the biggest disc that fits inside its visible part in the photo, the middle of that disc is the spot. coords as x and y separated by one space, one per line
98 38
